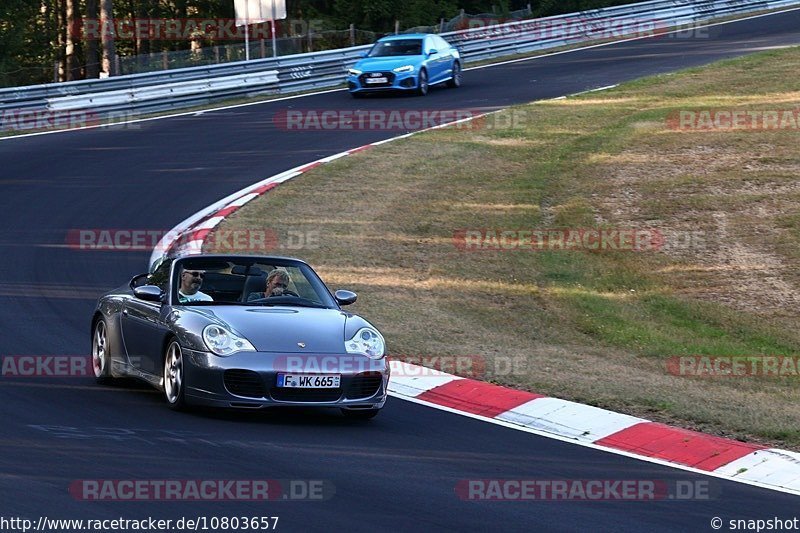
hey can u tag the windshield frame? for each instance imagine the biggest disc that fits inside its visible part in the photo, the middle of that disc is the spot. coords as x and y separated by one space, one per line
322 290
381 44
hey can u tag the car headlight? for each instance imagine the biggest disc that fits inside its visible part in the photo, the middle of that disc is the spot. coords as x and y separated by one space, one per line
354 72
222 342
404 69
366 341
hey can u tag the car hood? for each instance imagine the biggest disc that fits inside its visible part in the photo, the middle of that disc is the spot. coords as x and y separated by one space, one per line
281 329
375 64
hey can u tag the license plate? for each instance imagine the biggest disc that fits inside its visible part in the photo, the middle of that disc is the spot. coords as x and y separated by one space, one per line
309 381
376 80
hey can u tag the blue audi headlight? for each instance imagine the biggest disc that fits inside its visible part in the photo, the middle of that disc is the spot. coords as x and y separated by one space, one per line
404 69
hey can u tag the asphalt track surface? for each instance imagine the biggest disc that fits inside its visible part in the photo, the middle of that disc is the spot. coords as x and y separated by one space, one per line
397 472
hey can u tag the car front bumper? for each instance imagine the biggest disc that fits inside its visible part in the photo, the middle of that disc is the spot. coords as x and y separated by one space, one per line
405 81
250 380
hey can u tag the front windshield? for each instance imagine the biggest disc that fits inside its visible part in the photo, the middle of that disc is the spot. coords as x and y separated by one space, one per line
248 281
398 47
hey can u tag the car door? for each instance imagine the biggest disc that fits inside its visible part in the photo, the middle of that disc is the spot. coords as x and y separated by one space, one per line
144 328
445 55
434 61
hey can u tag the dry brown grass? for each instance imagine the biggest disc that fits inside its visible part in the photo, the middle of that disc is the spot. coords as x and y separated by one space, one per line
589 327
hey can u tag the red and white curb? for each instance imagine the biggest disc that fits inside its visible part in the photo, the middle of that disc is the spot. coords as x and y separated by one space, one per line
769 467
569 421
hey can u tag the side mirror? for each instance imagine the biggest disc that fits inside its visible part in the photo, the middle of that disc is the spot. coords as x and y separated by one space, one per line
345 297
432 52
135 280
363 54
149 293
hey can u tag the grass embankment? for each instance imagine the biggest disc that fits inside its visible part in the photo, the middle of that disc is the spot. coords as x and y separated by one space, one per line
594 327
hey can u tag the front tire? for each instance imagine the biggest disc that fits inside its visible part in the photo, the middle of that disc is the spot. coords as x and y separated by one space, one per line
360 414
455 81
101 354
422 83
174 386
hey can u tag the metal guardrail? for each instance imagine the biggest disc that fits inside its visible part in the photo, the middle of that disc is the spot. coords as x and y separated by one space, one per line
182 88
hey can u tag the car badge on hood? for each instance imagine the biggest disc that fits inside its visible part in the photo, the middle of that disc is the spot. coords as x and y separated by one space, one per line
301 344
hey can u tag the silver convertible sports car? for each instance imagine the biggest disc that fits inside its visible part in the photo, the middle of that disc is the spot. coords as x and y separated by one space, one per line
240 332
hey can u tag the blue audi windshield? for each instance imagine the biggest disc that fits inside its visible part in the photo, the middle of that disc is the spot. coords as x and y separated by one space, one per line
399 47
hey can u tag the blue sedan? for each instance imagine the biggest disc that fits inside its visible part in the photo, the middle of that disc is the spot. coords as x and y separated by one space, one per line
410 62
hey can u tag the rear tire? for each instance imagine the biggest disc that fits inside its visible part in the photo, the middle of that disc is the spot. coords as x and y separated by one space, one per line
455 81
422 83
365 414
174 384
101 354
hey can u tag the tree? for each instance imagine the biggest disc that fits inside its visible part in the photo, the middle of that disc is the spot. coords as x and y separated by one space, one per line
107 29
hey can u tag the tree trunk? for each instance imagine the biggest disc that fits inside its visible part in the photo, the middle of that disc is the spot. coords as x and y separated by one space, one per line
61 40
107 27
92 48
72 64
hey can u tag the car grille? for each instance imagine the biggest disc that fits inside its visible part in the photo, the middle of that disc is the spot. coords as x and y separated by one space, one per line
364 385
244 383
305 395
388 75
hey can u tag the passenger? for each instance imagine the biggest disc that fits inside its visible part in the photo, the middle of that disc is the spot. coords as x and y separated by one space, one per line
277 285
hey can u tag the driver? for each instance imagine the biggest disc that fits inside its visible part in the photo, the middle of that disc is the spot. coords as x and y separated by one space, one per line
277 285
189 291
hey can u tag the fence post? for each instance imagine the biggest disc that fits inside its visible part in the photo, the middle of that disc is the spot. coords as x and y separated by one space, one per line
216 53
352 35
117 70
396 27
310 40
263 49
441 25
165 60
